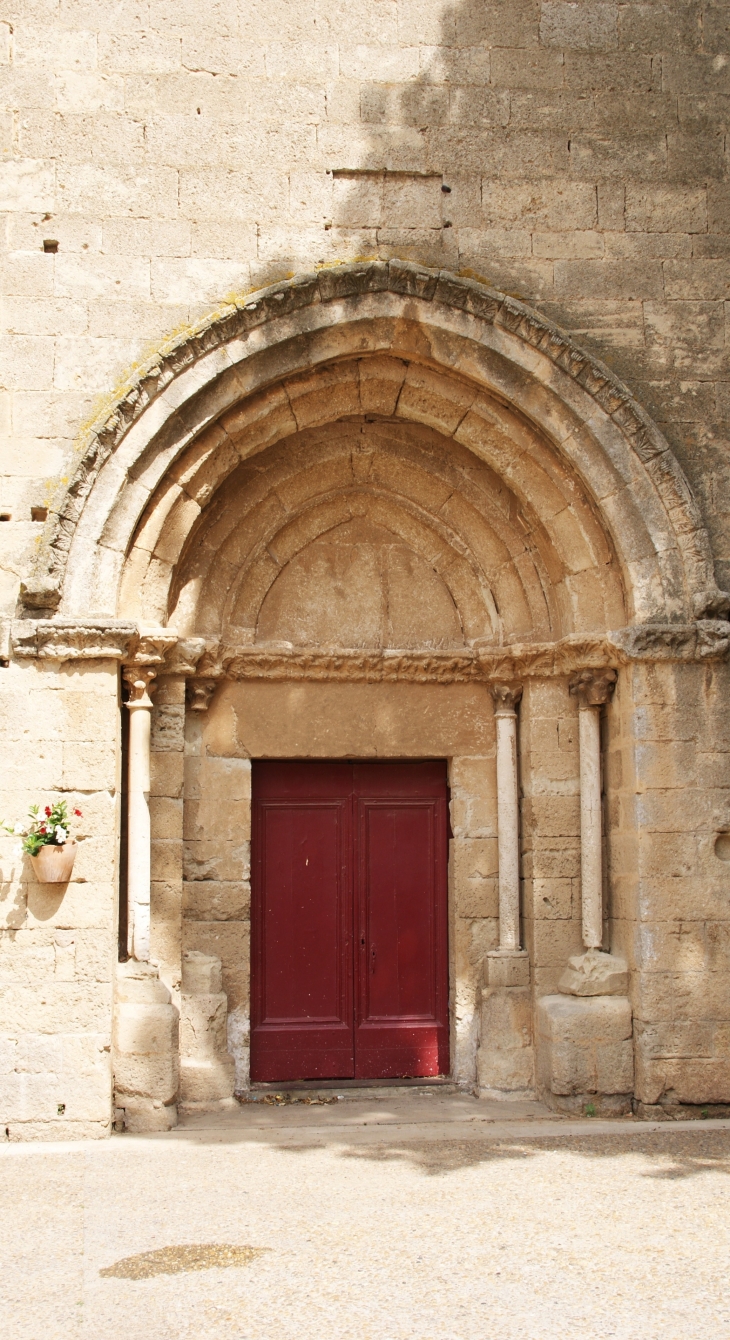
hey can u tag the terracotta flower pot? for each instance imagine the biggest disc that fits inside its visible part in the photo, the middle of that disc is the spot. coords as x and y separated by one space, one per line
53 865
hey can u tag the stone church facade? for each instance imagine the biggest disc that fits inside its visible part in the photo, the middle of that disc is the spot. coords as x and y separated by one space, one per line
364 392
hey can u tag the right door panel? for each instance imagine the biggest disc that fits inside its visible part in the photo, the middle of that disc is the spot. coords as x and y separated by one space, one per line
401 1023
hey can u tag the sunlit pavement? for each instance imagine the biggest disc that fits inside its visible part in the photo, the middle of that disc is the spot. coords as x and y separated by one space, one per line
428 1215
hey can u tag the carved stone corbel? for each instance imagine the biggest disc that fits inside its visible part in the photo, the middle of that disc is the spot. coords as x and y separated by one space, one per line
199 693
593 688
505 696
138 679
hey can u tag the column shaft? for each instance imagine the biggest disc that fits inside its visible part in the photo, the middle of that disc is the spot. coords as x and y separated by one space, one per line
506 698
592 688
508 830
591 843
138 816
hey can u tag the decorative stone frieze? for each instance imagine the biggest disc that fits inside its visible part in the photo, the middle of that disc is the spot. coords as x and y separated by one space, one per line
66 640
707 639
62 640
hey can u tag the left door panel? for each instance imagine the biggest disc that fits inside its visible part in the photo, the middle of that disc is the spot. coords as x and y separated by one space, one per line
301 923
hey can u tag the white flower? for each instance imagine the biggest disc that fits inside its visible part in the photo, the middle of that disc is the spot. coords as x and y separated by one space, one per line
19 830
61 834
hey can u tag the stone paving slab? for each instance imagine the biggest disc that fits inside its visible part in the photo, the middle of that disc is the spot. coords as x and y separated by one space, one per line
419 1227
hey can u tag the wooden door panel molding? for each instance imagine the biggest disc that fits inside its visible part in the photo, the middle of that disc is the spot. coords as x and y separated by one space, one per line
349 920
301 924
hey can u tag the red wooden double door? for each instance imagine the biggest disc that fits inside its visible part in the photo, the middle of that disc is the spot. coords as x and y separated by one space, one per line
349 920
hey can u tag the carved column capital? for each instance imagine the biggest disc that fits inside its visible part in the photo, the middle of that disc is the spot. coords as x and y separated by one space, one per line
506 697
139 680
199 693
593 688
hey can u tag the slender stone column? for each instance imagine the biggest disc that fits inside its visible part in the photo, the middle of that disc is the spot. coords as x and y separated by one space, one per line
139 677
592 689
506 698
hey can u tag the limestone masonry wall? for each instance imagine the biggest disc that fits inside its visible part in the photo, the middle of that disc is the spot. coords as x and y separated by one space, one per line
160 160
180 153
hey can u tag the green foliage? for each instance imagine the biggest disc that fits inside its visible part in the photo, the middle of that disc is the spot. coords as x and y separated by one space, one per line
51 828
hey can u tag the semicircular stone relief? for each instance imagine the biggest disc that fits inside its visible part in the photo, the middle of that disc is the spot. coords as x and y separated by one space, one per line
366 534
372 530
359 585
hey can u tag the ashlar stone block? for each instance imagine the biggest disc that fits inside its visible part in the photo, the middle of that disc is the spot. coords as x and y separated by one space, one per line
584 1050
207 1071
145 1044
506 1057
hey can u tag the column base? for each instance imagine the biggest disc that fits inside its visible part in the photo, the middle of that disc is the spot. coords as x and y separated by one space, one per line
207 1071
507 967
585 1055
146 1067
506 1056
595 974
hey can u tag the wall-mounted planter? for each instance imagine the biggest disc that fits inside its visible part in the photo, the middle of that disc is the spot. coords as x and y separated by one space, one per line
53 865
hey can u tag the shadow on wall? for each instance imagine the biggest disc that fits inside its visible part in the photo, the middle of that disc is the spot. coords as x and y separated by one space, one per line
480 145
573 156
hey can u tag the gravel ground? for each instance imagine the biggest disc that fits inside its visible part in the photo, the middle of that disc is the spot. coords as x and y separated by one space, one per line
370 1222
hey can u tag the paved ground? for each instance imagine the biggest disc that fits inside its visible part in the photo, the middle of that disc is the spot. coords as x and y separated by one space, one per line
428 1217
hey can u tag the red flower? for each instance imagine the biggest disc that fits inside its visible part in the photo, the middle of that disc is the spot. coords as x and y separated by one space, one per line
78 812
48 811
43 828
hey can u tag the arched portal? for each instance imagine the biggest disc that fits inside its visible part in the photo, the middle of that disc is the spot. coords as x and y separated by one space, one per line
387 341
350 505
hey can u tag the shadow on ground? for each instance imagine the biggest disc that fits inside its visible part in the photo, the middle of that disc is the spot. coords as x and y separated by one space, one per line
676 1155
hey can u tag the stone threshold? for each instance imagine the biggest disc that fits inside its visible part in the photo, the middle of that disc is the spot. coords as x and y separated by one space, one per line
350 1090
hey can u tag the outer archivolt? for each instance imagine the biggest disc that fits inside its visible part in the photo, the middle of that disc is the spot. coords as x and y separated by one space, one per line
563 436
507 532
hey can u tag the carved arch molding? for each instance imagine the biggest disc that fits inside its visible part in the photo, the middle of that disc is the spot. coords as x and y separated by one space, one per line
384 429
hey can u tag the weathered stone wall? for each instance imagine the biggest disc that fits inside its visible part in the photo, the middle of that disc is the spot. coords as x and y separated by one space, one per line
58 942
667 769
160 160
177 156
